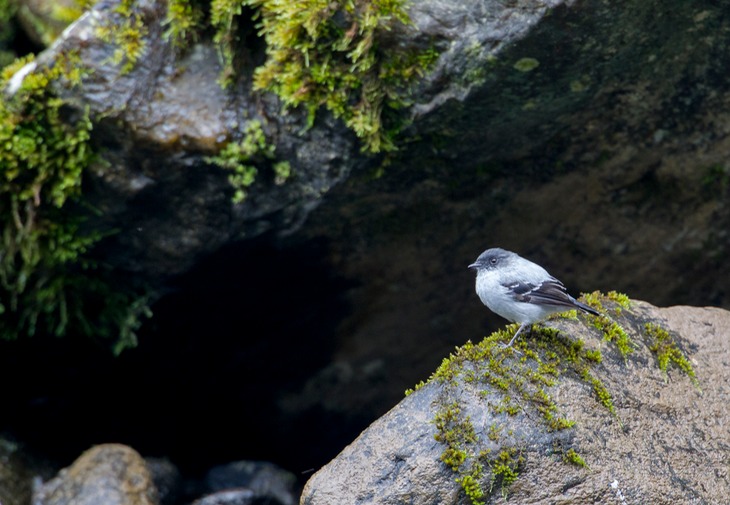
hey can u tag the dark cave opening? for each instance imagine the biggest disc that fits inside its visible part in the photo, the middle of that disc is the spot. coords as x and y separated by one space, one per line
246 325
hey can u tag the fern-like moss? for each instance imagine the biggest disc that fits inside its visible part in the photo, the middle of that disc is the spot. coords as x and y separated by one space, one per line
331 54
242 158
47 282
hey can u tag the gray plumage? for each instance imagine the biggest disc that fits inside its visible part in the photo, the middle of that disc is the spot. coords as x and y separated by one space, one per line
519 290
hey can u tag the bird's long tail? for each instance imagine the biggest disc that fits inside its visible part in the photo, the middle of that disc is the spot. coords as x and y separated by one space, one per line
586 308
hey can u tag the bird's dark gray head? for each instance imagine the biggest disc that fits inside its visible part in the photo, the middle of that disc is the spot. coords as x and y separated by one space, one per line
492 258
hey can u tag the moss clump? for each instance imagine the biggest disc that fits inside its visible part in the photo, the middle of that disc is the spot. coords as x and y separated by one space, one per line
456 432
516 381
612 331
504 467
183 21
659 341
415 388
599 389
512 382
572 457
623 301
472 488
47 283
322 53
666 350
243 157
41 160
126 31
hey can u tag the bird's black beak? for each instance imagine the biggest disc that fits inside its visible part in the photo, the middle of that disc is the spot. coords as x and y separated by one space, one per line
474 266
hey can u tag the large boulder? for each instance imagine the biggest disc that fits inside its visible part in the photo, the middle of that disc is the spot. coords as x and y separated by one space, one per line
538 424
112 474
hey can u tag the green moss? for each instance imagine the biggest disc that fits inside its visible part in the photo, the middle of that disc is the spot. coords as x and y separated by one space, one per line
612 331
331 54
513 381
667 352
243 157
472 488
516 381
526 64
504 467
599 389
47 283
224 18
184 21
594 300
415 388
126 31
42 158
620 298
572 457
456 433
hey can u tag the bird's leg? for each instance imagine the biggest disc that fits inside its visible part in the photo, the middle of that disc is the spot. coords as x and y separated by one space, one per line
519 330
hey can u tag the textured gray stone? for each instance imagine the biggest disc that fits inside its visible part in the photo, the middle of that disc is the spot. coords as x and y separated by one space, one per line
666 445
112 474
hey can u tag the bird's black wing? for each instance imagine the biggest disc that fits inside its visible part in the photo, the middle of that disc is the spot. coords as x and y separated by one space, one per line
549 292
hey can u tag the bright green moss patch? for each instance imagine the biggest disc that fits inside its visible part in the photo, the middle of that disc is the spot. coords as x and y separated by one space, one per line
472 488
321 53
658 339
514 388
599 389
243 157
456 432
184 21
127 33
596 300
667 352
572 457
620 298
41 161
512 382
48 285
415 388
612 331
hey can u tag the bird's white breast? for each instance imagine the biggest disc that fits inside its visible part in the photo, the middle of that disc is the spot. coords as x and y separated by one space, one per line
493 294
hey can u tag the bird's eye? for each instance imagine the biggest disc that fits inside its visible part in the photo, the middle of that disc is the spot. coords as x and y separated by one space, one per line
493 261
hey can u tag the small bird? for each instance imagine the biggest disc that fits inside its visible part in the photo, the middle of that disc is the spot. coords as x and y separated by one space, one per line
520 290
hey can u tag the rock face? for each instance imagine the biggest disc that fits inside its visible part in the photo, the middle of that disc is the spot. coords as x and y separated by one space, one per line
607 103
158 119
111 474
664 445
